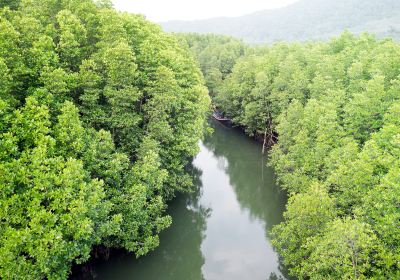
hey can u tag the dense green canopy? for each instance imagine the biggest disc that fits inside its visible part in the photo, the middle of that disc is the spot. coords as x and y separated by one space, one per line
215 54
100 113
335 110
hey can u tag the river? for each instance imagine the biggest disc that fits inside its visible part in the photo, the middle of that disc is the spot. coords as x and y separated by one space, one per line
219 232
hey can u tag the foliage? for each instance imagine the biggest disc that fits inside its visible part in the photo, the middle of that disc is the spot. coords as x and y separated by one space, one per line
100 113
215 54
334 108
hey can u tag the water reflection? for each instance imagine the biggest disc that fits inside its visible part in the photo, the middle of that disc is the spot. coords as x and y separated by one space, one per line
245 202
179 255
253 182
218 231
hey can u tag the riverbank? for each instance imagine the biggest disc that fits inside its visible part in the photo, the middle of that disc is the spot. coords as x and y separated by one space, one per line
220 230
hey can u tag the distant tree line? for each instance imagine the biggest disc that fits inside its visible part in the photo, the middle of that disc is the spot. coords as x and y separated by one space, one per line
335 109
215 54
100 114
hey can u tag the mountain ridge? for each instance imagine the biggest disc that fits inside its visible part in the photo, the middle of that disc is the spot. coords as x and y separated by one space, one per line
302 21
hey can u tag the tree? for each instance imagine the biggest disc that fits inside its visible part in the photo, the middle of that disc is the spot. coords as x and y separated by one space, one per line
84 90
306 217
333 109
348 249
53 212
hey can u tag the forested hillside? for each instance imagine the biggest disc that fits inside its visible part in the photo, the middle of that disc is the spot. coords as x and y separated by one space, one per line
332 113
303 21
100 114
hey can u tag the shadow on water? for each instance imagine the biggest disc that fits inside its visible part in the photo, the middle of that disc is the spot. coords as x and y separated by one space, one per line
178 256
253 182
238 245
220 230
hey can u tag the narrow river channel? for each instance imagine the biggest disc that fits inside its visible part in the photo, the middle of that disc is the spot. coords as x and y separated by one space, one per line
219 232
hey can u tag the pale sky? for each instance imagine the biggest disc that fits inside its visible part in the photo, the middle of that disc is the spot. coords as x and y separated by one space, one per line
163 10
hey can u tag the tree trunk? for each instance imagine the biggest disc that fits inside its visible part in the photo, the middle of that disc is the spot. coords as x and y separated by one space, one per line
265 140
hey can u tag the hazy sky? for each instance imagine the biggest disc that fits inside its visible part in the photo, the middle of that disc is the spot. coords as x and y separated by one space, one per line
162 10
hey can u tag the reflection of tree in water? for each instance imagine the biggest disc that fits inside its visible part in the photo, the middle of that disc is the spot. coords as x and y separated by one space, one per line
273 276
283 270
222 163
252 181
178 257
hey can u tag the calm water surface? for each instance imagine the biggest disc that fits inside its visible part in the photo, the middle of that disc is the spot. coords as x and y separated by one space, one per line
219 232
